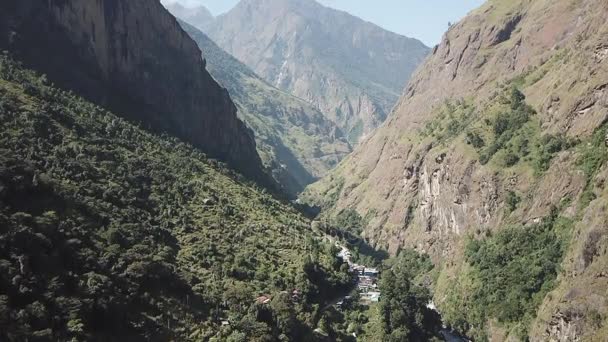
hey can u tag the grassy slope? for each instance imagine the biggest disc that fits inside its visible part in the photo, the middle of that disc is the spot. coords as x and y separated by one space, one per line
109 232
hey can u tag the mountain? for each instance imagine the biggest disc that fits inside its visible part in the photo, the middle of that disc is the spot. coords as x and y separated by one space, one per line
198 17
351 70
494 163
133 58
293 138
111 233
117 220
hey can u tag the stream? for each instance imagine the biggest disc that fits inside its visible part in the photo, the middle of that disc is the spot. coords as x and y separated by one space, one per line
447 334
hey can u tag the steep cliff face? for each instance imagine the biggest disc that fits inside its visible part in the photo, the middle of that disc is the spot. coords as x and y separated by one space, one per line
132 57
463 155
353 71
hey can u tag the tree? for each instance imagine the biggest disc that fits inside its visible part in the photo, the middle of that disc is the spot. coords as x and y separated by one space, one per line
404 314
284 313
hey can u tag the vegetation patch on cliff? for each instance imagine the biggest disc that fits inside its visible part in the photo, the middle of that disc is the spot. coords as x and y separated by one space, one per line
453 118
510 134
510 273
593 156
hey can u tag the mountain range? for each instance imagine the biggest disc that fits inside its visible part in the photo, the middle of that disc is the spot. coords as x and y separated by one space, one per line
146 166
351 70
198 16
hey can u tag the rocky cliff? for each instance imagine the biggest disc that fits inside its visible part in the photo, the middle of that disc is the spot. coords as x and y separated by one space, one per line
296 142
132 57
503 125
351 70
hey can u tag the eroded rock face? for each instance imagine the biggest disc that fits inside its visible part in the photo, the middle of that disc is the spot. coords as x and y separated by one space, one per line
132 57
577 308
430 195
563 328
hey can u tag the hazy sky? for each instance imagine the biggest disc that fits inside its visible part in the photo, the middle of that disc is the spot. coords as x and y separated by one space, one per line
426 20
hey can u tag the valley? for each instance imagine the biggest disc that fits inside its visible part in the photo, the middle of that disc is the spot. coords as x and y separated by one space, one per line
295 140
283 170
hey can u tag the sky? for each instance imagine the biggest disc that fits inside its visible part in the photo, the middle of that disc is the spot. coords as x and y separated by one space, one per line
426 20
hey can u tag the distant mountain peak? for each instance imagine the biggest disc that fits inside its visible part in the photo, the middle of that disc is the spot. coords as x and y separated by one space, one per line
351 70
197 16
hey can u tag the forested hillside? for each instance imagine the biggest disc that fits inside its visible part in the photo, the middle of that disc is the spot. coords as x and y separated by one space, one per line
108 232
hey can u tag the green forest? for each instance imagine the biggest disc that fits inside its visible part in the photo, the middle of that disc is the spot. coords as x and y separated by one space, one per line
108 232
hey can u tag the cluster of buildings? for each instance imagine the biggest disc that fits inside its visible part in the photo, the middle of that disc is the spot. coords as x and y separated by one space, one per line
366 278
265 299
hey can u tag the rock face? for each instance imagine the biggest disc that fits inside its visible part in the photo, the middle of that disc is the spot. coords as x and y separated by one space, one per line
430 193
132 57
296 142
353 71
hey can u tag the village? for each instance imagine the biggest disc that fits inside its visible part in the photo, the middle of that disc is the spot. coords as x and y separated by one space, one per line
366 278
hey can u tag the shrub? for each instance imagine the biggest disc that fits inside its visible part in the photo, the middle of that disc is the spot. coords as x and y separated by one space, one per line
548 147
475 139
510 159
512 201
514 269
594 156
505 127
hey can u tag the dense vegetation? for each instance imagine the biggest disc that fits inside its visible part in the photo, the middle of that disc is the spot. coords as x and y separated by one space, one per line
403 305
511 272
509 134
400 315
350 221
347 227
111 233
504 132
